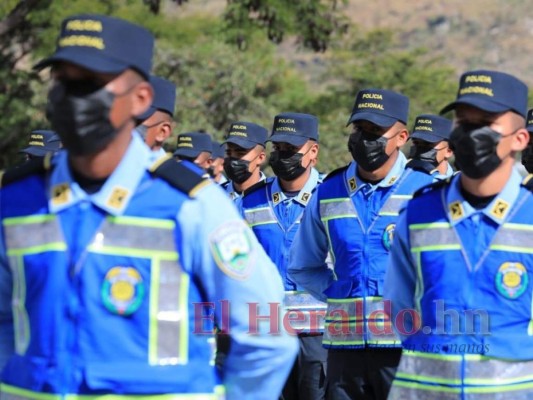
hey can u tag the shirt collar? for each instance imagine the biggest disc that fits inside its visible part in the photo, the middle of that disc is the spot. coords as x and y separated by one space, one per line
232 192
354 183
303 196
115 194
446 175
458 208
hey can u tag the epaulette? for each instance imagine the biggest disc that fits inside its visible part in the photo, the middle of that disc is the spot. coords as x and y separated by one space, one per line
431 187
255 186
178 175
34 166
528 182
336 172
225 185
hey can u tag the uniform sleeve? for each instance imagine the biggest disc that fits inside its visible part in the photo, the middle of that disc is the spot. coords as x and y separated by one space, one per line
308 254
6 316
231 265
400 280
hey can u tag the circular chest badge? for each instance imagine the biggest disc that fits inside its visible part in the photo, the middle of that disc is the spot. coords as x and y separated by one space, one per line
123 290
512 279
388 235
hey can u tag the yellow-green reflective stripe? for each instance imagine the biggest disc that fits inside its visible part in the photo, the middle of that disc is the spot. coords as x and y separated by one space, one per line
58 246
427 378
501 381
357 299
437 248
183 308
498 389
419 287
23 394
124 251
431 225
422 386
20 315
145 222
30 219
433 356
516 249
332 342
514 226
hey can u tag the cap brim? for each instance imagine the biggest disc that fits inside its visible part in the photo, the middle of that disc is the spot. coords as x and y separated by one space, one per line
147 114
478 102
378 119
293 139
428 137
35 151
245 144
89 59
191 153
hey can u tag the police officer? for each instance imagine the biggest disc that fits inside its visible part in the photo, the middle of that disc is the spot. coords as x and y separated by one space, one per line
430 150
112 258
195 147
245 153
459 277
527 154
273 210
156 124
41 143
352 216
217 165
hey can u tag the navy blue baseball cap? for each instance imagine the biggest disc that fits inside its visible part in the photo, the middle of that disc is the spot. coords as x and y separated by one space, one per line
191 144
103 44
529 121
42 142
219 149
432 128
491 91
164 97
381 107
246 134
294 128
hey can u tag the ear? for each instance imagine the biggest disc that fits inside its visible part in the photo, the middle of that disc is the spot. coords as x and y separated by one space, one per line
163 132
142 98
520 140
402 138
448 153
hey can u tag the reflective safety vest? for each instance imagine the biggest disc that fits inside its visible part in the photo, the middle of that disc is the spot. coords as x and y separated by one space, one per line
357 315
117 319
306 313
481 344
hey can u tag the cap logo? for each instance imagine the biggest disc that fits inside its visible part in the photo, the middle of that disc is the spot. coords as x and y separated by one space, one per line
243 127
36 143
476 90
285 128
185 145
478 79
84 25
371 105
375 96
185 139
237 133
82 41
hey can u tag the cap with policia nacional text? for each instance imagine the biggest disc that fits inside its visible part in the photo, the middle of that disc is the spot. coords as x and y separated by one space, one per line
381 107
42 142
191 144
432 128
491 91
294 128
246 134
103 44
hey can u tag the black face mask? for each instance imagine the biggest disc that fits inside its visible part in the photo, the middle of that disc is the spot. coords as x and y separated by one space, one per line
287 165
210 171
474 147
527 158
237 170
142 129
425 154
79 113
368 150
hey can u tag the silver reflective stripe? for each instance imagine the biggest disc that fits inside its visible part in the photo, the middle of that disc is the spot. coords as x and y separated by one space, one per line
137 234
259 216
394 204
401 390
21 320
33 233
343 333
429 367
482 371
433 236
514 236
169 318
337 208
311 311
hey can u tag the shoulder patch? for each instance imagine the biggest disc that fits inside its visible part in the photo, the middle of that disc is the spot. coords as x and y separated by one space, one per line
336 172
178 175
431 187
255 187
528 182
32 167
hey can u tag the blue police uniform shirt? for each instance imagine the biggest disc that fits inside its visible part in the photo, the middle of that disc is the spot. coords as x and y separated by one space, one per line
441 177
476 228
232 192
310 246
257 365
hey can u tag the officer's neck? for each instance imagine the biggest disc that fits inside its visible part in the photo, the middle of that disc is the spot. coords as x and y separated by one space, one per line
491 184
442 168
297 184
380 173
101 165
